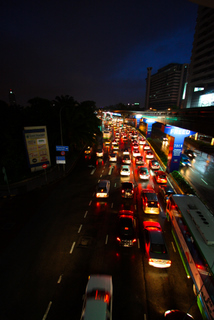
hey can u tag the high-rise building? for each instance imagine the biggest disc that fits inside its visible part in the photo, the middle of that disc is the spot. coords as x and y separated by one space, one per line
200 88
165 88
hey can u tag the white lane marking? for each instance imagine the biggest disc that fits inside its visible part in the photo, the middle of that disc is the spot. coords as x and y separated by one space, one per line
85 214
92 172
72 247
138 243
112 205
48 308
204 181
106 239
60 278
101 176
135 207
144 316
90 203
173 246
115 184
80 228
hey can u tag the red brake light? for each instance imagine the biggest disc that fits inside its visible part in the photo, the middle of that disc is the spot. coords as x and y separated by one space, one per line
126 228
118 239
134 240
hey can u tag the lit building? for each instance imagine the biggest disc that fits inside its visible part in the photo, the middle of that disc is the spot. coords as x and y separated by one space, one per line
200 88
165 88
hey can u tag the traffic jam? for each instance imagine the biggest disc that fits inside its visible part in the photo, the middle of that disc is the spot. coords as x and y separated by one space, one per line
143 183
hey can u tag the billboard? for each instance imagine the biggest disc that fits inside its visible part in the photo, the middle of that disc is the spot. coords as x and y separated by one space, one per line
36 142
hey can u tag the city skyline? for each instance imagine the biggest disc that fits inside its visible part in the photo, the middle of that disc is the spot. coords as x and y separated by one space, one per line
91 51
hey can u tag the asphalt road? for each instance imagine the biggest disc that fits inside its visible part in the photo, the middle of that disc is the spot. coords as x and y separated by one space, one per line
54 237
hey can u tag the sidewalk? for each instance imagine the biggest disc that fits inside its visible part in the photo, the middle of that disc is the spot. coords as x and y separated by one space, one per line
44 178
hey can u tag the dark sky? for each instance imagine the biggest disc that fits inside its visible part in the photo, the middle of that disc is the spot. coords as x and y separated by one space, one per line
92 50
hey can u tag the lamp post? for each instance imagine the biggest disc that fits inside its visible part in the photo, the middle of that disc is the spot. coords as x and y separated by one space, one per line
61 136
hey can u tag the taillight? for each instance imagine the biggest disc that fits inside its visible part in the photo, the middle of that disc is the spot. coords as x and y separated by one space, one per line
123 191
146 204
134 240
118 239
132 191
158 205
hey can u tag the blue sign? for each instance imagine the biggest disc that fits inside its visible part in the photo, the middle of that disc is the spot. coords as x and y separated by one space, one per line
62 148
60 160
174 156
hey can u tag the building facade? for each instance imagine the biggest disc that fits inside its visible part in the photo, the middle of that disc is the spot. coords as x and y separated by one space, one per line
165 88
200 87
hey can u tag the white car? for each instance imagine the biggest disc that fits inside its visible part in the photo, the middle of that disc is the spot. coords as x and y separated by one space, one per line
113 157
98 298
125 170
149 154
126 159
146 146
103 189
136 153
125 151
116 146
99 153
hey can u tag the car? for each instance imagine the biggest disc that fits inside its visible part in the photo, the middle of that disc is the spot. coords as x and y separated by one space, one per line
139 160
142 141
126 159
177 315
155 246
107 142
160 177
185 161
126 151
125 170
113 157
99 153
136 153
143 173
114 142
98 298
190 153
135 146
103 188
150 203
149 154
127 234
127 189
88 150
165 191
146 146
116 146
154 165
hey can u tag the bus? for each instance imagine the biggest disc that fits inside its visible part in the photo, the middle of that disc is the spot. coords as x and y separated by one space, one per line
193 232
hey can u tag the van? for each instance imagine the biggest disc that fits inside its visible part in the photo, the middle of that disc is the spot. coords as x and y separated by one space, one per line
98 298
103 188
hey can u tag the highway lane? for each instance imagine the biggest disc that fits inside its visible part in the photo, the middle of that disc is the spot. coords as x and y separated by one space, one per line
73 235
200 176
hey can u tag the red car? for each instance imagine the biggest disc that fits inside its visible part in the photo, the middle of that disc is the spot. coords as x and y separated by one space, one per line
160 177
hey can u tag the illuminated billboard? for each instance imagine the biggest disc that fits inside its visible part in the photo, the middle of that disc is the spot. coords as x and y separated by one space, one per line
36 142
206 100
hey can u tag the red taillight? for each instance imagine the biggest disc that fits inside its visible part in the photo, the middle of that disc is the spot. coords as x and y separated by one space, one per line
158 205
126 228
146 204
132 191
118 239
134 240
123 191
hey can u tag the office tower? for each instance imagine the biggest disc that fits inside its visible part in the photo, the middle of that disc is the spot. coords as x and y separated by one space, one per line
165 88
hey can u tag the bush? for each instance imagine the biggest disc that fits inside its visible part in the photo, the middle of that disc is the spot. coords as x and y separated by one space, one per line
182 183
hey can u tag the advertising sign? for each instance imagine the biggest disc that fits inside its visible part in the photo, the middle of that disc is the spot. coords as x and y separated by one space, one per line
36 142
175 151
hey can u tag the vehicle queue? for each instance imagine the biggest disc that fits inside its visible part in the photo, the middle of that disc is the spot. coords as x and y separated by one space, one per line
144 182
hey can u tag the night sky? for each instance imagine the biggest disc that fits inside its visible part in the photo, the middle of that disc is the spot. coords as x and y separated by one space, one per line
91 50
